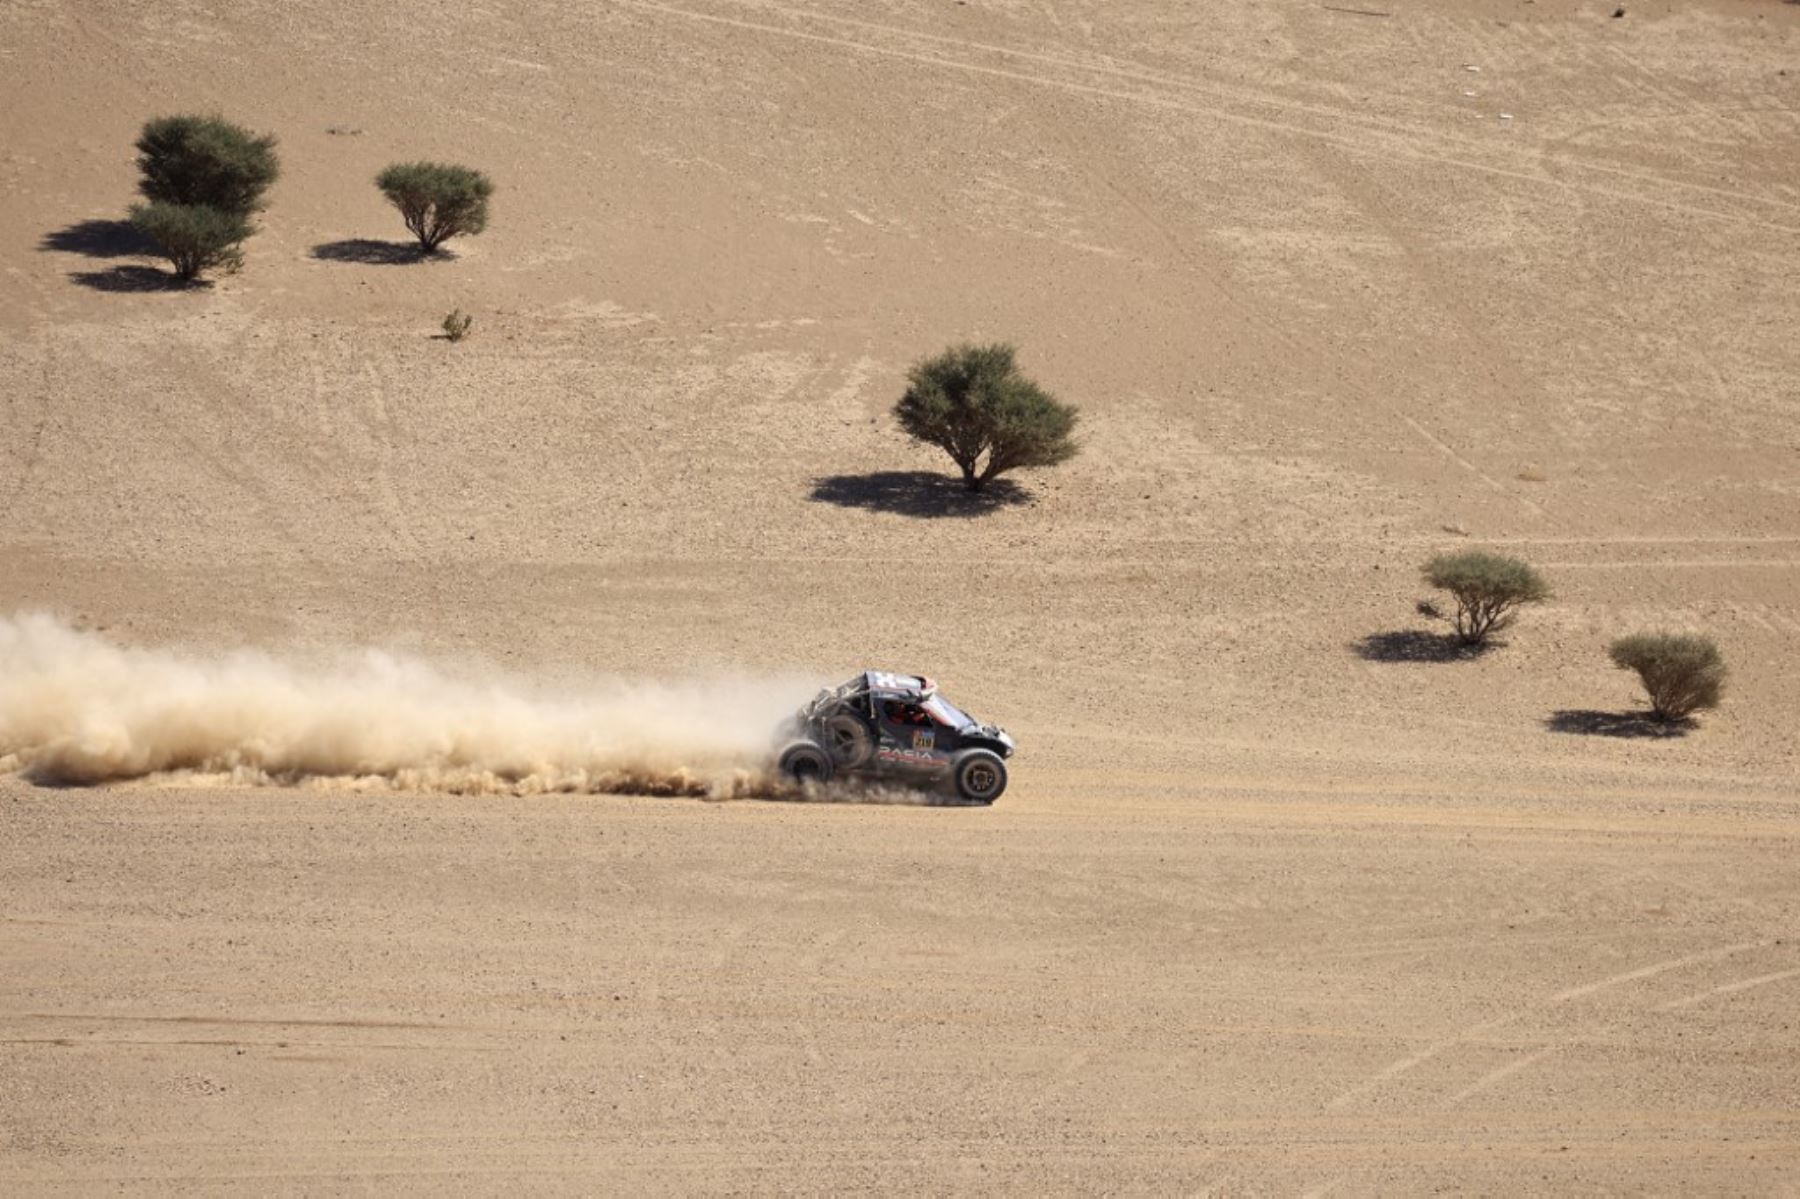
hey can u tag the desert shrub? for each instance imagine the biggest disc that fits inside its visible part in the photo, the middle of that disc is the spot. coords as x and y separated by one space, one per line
1488 588
438 200
205 161
973 403
193 237
458 324
1682 673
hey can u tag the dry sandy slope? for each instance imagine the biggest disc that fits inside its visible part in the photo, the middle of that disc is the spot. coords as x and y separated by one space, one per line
1255 903
1079 990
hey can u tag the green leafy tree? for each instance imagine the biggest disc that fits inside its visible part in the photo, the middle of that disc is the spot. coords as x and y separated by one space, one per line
194 237
973 403
438 200
1488 588
1681 673
194 160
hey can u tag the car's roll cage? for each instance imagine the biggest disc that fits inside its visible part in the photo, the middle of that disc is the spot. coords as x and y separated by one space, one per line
871 687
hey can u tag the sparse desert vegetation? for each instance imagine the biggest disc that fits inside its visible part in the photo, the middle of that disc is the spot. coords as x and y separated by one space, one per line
203 179
1488 589
437 200
457 324
1682 673
206 161
974 403
195 238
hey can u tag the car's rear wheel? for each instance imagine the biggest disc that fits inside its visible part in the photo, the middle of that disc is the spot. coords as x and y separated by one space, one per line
805 762
980 776
850 741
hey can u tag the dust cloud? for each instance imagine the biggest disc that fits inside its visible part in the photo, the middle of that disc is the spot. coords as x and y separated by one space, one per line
77 708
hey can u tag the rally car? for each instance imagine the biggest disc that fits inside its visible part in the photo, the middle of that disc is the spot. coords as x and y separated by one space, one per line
895 728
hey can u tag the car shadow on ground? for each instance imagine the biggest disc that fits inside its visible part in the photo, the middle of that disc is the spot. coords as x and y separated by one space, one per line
99 239
137 278
870 794
1589 723
47 781
1418 645
372 252
918 493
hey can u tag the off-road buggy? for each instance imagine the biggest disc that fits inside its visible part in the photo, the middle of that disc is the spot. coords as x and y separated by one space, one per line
895 728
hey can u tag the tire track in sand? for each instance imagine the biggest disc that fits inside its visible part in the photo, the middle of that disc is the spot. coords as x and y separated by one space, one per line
1519 1065
1112 67
1366 141
1742 984
1402 1065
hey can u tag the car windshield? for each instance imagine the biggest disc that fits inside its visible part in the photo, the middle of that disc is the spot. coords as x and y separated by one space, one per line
948 713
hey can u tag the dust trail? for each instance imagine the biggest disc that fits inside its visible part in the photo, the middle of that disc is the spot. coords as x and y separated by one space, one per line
77 708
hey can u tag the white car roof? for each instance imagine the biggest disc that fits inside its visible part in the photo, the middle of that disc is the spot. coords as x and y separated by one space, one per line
903 684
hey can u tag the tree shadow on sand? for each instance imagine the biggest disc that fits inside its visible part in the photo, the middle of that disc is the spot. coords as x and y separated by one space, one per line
917 493
115 239
371 252
137 278
1588 723
99 239
1418 645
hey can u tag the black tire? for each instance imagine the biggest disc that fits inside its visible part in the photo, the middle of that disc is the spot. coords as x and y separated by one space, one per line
980 776
849 741
805 762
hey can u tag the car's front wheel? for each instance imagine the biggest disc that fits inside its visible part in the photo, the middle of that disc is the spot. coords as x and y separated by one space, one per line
980 776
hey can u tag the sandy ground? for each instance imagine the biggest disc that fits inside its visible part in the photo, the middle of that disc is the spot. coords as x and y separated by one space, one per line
1272 904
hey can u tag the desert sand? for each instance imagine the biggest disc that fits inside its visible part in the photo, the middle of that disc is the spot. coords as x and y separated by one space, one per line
1272 904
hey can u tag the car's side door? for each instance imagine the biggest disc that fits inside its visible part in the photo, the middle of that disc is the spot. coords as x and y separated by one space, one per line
907 738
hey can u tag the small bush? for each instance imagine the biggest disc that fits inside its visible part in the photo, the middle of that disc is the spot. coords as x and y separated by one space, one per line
1488 589
1682 673
437 200
206 161
458 324
973 403
193 237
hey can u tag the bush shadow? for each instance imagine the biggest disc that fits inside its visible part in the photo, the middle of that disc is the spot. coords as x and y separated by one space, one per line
137 278
1418 645
99 239
917 493
371 252
1586 722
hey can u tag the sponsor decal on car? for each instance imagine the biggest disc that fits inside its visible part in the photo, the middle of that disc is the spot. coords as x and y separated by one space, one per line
907 757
